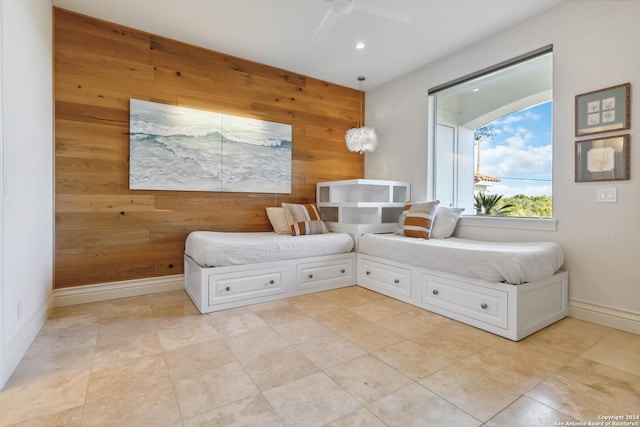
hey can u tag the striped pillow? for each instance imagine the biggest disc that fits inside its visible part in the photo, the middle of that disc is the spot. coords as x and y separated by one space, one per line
400 227
304 219
419 219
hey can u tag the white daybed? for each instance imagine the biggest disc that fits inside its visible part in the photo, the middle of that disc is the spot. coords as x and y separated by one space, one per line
510 289
226 270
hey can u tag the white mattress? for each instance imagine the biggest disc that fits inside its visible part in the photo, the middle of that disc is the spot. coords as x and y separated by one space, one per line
218 249
507 262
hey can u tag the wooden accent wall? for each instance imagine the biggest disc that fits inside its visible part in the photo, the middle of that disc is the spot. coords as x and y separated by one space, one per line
105 232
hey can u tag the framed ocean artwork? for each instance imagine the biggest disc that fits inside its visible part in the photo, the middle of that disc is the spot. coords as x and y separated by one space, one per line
185 149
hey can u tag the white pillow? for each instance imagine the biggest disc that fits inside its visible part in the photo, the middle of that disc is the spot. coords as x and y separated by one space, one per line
278 219
445 222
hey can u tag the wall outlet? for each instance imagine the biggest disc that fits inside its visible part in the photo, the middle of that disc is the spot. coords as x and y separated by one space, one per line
19 309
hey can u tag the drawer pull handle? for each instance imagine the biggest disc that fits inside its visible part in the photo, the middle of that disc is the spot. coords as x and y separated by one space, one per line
436 292
311 276
368 273
343 271
271 282
227 289
396 281
484 305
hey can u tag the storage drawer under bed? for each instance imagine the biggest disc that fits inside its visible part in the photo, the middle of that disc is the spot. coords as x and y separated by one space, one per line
473 301
312 274
236 286
387 279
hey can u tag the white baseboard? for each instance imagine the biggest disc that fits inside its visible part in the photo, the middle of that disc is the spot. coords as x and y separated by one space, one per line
607 316
19 344
115 290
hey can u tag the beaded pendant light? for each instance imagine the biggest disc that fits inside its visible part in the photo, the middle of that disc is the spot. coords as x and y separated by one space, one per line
362 138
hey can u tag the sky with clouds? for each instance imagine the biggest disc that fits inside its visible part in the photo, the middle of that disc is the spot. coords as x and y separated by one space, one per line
520 152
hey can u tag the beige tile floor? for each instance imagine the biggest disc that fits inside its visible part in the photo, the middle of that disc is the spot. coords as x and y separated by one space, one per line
348 357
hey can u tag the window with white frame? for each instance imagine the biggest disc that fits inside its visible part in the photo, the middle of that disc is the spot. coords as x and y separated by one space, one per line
492 139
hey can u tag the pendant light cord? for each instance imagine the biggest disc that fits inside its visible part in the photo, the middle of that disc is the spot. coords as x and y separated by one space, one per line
361 118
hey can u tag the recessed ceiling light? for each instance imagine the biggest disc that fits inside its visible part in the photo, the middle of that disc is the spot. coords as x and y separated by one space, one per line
476 89
360 45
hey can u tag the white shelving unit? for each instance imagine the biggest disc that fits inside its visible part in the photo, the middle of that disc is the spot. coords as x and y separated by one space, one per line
359 206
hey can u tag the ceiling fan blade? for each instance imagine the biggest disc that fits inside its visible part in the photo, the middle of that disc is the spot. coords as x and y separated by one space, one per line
327 22
377 12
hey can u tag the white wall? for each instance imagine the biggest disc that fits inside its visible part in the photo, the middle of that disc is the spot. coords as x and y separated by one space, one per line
595 46
26 146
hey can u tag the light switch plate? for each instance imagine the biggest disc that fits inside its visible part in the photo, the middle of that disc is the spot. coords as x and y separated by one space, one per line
607 195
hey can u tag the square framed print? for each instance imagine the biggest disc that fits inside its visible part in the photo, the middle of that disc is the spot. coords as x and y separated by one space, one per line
604 159
603 110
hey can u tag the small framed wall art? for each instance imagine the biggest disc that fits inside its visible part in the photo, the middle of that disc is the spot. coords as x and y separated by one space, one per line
604 110
604 159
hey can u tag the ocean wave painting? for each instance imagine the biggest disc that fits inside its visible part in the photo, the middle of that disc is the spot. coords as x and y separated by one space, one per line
184 149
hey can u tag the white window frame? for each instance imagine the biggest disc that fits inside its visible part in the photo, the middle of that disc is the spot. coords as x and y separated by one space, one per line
546 224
